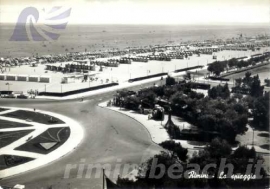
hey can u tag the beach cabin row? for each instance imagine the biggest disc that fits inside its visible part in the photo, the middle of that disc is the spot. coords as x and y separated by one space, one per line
29 78
179 55
80 67
139 50
124 60
235 48
140 59
71 68
106 63
159 57
208 51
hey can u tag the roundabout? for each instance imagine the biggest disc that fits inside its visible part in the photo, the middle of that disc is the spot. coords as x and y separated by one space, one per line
32 138
108 137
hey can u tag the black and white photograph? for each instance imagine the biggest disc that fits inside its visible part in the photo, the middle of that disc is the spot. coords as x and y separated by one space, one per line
134 94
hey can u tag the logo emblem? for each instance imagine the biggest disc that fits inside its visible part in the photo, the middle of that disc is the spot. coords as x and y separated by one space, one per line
35 25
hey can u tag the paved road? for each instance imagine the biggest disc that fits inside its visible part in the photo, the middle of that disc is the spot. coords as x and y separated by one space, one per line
109 137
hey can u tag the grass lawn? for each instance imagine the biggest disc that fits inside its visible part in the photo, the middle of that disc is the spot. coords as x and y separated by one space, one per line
8 137
3 109
34 116
10 124
57 135
7 161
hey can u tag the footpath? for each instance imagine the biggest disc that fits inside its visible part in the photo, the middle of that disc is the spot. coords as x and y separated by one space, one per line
113 88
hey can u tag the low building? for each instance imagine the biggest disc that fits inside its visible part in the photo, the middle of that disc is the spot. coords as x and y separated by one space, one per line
45 79
68 79
22 77
2 77
11 77
33 78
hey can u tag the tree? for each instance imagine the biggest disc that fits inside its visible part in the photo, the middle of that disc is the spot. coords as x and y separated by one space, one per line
148 97
225 91
260 112
247 80
211 154
267 82
238 82
217 67
207 122
219 91
240 123
232 62
132 102
227 129
123 93
240 159
213 93
163 158
170 81
249 85
219 148
176 148
256 89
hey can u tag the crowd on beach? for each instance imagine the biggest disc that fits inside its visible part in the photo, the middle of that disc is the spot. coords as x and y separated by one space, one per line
81 63
181 50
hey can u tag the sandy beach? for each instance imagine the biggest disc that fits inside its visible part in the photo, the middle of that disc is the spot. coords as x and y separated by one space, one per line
116 74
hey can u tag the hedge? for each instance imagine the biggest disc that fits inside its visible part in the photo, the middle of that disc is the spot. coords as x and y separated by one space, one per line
77 91
186 69
218 79
147 77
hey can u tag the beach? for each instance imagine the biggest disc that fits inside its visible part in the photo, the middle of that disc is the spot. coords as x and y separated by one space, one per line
119 74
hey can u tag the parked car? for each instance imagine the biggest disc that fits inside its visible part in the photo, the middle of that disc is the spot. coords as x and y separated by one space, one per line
22 96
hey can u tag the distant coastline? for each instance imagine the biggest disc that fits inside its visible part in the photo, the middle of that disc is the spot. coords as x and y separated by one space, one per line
78 38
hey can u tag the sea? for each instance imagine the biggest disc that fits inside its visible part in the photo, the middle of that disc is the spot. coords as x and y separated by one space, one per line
95 38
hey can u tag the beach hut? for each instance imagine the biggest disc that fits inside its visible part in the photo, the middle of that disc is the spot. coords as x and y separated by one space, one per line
45 79
48 67
33 78
22 77
2 77
11 77
68 79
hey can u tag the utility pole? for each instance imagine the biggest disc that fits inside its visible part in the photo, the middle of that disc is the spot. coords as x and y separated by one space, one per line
253 137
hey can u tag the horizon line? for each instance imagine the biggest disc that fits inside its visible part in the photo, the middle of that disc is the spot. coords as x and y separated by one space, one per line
170 24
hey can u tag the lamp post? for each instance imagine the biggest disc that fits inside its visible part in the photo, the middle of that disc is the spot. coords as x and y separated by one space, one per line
8 84
252 137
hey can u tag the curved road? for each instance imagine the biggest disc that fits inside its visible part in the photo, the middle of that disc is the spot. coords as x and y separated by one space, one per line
110 138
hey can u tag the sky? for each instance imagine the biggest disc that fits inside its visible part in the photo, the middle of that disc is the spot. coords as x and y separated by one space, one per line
147 11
